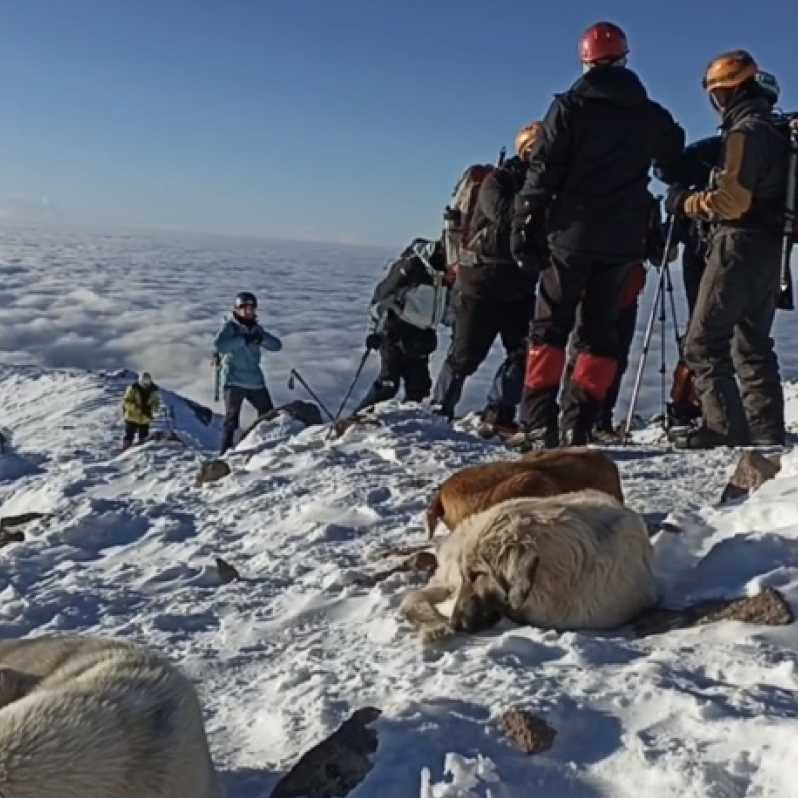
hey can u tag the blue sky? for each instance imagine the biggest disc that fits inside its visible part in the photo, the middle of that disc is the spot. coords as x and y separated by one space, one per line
314 119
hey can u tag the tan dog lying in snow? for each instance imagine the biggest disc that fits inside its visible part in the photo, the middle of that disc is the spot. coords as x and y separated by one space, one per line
575 561
540 474
84 717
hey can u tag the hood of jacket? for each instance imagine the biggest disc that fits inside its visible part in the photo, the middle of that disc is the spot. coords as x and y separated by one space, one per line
616 85
742 107
430 253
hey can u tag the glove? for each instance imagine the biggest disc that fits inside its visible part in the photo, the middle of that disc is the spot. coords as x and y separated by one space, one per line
674 200
373 341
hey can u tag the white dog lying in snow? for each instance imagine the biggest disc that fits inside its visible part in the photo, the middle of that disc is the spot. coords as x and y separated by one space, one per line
574 561
84 717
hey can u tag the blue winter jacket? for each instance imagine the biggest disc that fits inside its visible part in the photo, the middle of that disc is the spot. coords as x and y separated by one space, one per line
239 348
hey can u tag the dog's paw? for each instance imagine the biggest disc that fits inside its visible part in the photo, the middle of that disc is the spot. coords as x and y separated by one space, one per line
436 633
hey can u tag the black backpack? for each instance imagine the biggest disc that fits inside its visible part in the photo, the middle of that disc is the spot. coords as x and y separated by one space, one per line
787 125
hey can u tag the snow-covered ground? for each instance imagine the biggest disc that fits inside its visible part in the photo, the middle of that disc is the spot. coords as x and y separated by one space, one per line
283 657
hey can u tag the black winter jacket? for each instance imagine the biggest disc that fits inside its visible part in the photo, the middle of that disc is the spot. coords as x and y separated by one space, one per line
590 167
496 275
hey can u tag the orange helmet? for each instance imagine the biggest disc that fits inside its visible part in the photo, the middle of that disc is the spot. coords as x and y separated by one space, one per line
527 136
729 70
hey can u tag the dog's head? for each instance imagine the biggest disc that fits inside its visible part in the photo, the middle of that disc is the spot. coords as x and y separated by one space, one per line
493 588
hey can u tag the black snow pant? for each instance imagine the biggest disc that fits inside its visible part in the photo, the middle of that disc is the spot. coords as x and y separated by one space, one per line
596 287
479 320
694 261
132 429
729 335
396 365
625 328
234 397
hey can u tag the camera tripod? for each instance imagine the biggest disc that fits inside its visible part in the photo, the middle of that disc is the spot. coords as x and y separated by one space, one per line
658 313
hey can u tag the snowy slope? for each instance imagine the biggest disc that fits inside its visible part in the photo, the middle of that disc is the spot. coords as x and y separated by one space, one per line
282 658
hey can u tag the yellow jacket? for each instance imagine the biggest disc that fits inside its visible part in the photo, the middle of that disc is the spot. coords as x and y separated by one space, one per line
140 404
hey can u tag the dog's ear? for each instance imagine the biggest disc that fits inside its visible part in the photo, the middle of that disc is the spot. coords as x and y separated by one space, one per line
523 581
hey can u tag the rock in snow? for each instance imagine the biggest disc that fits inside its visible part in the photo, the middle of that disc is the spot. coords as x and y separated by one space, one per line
212 471
334 767
530 734
753 470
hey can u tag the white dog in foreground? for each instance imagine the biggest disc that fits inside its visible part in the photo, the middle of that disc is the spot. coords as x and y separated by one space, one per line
575 561
84 717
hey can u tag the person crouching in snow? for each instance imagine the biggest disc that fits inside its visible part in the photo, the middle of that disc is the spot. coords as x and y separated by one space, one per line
140 404
238 346
408 305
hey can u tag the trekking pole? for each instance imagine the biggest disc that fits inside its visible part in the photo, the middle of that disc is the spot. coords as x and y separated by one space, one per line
663 320
790 219
296 375
649 328
352 386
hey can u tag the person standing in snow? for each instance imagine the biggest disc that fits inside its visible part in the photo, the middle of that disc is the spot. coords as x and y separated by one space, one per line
237 348
496 296
588 173
408 305
603 430
139 405
729 333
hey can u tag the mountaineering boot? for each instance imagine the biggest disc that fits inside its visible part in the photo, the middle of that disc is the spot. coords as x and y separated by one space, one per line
768 440
448 395
576 436
496 421
532 440
602 434
702 438
487 430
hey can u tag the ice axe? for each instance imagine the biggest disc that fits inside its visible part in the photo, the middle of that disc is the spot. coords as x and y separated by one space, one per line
295 375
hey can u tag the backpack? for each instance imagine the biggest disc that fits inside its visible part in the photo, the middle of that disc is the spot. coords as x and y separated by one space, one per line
459 214
412 289
684 406
787 125
424 304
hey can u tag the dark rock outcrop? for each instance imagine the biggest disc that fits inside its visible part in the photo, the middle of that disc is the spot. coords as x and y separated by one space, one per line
768 608
530 734
334 767
212 471
227 573
753 470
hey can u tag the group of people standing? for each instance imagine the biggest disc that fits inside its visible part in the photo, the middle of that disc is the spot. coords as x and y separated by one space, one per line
554 263
557 244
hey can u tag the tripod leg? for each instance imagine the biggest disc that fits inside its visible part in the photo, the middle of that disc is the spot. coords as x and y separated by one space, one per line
643 355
